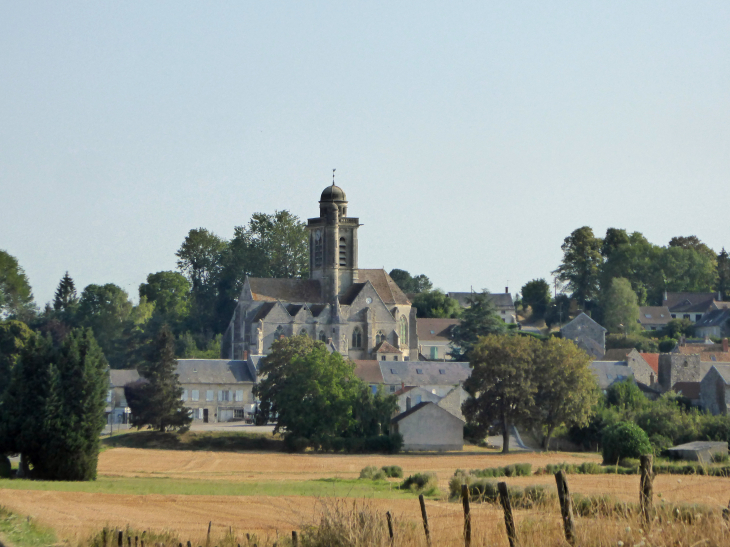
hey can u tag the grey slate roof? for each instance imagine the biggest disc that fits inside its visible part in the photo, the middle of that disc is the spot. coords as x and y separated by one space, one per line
410 411
714 318
723 371
608 373
213 371
288 290
407 372
679 302
654 315
120 378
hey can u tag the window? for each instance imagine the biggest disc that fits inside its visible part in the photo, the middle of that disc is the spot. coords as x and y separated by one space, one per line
442 371
419 371
698 316
674 316
224 395
382 357
109 396
647 315
200 414
239 396
184 396
395 357
209 395
685 316
374 390
357 338
403 331
196 395
238 413
392 389
343 251
380 337
318 249
279 332
434 352
322 336
303 332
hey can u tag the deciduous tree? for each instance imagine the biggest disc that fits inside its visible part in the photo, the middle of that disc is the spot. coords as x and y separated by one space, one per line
16 297
435 303
106 310
620 308
581 264
410 284
536 294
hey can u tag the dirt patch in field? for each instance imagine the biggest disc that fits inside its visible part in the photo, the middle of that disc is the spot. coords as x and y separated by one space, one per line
267 466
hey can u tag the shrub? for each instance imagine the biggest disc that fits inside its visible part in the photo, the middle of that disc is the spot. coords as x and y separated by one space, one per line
421 482
624 440
373 473
716 458
590 468
392 471
660 443
523 469
5 468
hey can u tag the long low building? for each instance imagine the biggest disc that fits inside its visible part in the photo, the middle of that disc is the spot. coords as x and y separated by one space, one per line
438 377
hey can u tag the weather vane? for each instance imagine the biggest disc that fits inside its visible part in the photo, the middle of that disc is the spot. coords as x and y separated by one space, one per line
333 176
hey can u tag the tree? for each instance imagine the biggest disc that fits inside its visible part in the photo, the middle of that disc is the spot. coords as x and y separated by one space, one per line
723 274
16 297
199 257
315 394
501 385
106 310
566 392
53 411
410 284
680 327
65 299
615 237
170 294
558 310
620 308
479 319
694 243
157 399
14 335
536 294
435 303
581 264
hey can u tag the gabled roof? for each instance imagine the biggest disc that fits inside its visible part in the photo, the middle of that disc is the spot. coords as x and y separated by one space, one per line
213 371
435 329
714 318
120 378
368 371
348 297
689 301
404 390
444 373
500 299
691 390
263 311
386 347
723 371
652 359
288 290
581 319
654 315
418 407
386 288
608 373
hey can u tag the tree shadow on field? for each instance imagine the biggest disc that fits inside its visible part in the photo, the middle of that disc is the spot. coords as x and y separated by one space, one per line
213 441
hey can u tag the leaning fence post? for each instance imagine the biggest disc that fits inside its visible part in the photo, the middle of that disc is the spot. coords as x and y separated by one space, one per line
294 538
509 520
467 515
424 515
120 539
566 506
390 526
646 496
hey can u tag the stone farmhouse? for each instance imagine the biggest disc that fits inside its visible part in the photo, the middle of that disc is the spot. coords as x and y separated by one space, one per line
503 302
692 306
434 338
587 335
357 312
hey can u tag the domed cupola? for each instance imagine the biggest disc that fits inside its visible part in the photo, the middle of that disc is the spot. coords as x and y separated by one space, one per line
333 193
333 197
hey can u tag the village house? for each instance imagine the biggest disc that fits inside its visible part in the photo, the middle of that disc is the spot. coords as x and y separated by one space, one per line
587 335
427 426
714 324
434 338
117 410
692 306
715 389
502 301
410 396
654 317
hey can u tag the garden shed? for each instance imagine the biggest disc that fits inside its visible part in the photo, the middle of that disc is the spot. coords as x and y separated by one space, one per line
699 451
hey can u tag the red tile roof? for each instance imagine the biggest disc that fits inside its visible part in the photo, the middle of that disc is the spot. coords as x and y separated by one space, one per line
652 359
387 347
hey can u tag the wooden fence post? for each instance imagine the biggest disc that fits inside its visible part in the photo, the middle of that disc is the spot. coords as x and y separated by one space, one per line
566 506
646 496
136 539
129 539
509 520
103 537
120 539
294 538
390 526
424 515
467 515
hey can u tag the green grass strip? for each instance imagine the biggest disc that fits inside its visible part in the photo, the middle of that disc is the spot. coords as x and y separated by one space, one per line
23 532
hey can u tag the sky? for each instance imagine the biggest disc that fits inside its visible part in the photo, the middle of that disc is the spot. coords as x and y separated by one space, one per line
471 138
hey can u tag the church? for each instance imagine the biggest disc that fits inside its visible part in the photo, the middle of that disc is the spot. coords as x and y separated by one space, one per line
360 313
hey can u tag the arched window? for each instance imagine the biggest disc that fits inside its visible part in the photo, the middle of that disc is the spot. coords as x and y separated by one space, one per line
357 338
322 336
380 337
303 332
318 248
403 331
279 332
343 251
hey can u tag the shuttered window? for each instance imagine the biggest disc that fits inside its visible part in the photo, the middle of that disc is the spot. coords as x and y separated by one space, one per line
239 395
209 395
196 395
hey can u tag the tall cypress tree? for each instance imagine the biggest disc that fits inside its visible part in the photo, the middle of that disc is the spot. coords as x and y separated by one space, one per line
479 319
723 274
156 400
65 298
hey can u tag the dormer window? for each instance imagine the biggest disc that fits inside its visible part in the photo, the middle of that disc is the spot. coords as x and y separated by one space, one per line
442 371
419 371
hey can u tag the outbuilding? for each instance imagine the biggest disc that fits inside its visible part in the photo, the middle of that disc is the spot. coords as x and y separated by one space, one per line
427 426
699 451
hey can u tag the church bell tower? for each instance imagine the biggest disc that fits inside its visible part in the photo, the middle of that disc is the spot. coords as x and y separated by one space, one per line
333 244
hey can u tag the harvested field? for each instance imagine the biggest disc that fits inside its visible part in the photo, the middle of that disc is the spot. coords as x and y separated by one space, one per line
259 466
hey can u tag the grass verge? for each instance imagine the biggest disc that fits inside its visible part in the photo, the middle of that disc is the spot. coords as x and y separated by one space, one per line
23 532
341 488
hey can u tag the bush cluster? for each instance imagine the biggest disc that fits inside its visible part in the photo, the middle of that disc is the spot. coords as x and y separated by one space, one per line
514 470
387 471
426 483
484 490
630 466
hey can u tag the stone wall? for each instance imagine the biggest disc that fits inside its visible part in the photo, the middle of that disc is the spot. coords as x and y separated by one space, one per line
675 367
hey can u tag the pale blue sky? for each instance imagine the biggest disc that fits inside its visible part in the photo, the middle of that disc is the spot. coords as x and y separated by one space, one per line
470 137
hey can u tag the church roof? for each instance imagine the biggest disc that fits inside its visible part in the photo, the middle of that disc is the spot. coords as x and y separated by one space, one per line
387 289
287 290
348 297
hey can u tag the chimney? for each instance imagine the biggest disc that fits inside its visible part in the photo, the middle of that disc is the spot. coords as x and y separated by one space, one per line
408 403
724 345
245 355
506 290
402 385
